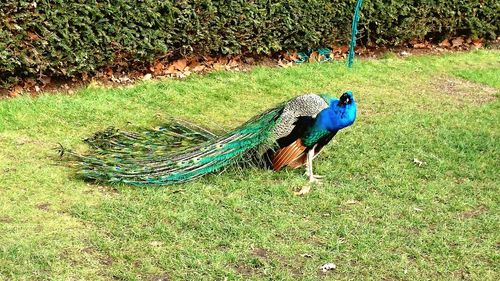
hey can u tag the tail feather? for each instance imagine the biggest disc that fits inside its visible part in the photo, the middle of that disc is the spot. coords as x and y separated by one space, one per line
177 154
169 138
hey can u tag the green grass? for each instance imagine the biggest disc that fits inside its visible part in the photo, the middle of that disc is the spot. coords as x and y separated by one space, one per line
488 76
377 215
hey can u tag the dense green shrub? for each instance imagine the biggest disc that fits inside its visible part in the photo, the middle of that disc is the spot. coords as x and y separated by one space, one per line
63 37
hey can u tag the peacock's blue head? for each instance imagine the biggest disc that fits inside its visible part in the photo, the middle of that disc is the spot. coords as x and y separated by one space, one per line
346 99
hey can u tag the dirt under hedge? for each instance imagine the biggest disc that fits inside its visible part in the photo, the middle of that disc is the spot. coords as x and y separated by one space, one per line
65 38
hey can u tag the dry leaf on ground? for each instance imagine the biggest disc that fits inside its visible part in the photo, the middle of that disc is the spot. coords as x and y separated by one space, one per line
180 64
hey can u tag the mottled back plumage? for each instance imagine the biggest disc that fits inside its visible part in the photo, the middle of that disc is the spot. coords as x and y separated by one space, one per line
305 105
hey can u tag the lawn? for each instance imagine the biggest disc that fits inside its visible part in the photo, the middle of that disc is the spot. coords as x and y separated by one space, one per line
411 189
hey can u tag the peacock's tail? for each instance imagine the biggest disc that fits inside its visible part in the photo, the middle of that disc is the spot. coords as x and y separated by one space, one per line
174 153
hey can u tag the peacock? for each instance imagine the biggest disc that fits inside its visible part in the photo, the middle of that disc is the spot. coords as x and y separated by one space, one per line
291 135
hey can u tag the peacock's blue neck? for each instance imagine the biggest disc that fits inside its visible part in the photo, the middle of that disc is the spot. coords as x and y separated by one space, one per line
336 117
330 120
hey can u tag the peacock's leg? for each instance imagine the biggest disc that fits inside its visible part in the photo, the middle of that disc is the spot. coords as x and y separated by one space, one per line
315 176
309 167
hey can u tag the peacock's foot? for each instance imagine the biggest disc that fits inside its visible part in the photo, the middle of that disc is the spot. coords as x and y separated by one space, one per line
315 179
314 176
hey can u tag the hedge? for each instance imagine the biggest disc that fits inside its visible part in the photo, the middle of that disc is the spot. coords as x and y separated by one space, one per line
67 37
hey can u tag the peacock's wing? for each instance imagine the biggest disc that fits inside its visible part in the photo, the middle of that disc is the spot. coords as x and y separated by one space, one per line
164 140
298 115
